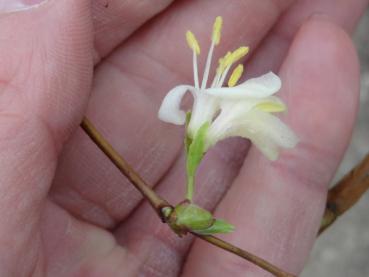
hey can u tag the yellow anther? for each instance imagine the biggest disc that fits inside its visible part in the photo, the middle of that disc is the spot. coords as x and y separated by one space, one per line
192 42
271 107
236 55
217 28
236 75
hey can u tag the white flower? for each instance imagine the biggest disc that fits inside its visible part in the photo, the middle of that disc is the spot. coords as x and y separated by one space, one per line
243 110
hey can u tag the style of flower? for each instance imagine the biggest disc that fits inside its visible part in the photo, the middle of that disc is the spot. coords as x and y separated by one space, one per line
243 110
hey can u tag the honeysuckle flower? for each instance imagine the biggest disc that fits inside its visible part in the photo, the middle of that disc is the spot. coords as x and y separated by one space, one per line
243 110
218 112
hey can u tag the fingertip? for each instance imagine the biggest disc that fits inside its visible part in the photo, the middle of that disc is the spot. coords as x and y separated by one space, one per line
330 28
321 79
327 43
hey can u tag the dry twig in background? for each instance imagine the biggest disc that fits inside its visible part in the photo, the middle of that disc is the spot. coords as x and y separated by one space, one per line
346 193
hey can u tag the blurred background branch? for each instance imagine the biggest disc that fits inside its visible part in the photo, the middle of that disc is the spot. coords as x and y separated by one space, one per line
346 193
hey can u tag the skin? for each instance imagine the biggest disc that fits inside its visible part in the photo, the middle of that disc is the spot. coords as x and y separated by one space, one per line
66 211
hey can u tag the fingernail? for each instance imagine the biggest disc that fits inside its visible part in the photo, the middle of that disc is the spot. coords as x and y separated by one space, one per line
7 6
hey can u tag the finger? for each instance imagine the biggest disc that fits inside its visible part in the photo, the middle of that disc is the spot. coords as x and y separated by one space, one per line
69 247
129 87
45 81
115 20
277 206
274 48
62 111
223 155
45 78
344 14
215 176
138 229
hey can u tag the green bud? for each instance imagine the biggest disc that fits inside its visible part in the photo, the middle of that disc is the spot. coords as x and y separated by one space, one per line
192 217
187 216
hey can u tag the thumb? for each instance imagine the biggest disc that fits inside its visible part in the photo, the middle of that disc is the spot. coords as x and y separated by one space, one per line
46 54
45 77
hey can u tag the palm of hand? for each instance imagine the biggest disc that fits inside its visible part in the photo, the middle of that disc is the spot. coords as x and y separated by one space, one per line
73 214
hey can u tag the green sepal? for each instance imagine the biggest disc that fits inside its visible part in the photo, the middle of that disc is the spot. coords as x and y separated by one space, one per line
196 152
187 140
219 226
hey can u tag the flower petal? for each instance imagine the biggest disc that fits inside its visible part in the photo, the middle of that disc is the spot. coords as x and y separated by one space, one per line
204 109
268 148
271 104
266 131
170 109
259 87
270 126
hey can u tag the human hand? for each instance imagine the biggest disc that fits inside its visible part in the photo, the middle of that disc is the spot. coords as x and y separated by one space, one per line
66 211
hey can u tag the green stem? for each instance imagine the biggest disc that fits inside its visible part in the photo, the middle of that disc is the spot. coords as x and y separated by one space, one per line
190 188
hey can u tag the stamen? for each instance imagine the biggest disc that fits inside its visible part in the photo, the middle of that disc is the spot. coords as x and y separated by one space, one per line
230 60
220 69
207 66
236 55
217 28
194 45
223 76
214 41
222 60
192 42
195 71
235 76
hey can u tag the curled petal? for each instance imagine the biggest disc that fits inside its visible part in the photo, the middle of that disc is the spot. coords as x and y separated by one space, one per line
236 110
273 128
266 131
170 109
259 87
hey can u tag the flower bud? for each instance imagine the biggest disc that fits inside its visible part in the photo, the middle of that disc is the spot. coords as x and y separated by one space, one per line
188 217
192 217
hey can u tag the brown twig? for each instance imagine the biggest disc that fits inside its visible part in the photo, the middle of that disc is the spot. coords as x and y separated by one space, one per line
245 255
159 203
346 193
